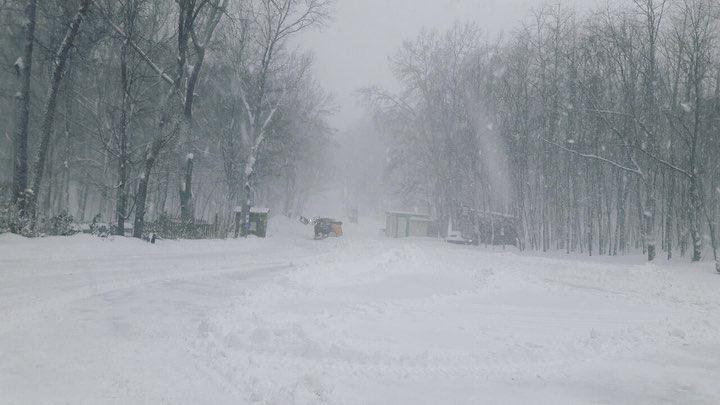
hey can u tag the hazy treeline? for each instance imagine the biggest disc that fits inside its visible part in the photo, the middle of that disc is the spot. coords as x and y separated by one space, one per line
599 132
134 108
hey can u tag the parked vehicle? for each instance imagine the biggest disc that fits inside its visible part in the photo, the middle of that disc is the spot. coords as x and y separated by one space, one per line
458 239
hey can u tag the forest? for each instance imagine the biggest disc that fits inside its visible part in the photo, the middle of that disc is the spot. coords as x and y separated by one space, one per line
599 133
125 111
596 131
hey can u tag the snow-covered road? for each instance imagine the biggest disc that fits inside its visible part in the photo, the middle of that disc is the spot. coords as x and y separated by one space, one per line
355 320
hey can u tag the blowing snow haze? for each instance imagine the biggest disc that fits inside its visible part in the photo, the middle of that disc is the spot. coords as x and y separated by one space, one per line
353 49
359 202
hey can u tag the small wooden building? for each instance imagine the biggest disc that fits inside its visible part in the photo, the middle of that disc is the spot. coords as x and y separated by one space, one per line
487 228
406 225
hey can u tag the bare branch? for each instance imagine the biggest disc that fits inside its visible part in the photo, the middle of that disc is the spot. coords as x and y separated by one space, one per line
595 157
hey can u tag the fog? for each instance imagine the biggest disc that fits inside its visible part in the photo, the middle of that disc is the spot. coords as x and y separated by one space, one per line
359 201
352 50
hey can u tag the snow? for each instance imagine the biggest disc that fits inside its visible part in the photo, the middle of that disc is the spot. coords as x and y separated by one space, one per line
250 166
361 319
19 64
500 73
416 215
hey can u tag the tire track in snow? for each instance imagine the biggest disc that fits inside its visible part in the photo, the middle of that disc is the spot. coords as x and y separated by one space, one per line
30 313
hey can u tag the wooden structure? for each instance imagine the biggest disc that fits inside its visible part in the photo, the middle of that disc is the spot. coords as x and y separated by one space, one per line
166 227
406 225
487 228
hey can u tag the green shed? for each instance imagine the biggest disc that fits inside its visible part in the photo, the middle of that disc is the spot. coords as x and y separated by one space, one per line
406 224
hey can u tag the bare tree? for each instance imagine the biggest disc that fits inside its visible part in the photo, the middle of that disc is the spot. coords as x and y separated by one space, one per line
23 67
274 22
46 130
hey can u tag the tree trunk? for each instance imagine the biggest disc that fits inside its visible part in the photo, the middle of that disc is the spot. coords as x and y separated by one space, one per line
246 206
186 203
142 191
649 223
696 209
620 238
186 208
84 188
185 189
124 156
24 71
669 217
48 168
59 63
713 239
68 151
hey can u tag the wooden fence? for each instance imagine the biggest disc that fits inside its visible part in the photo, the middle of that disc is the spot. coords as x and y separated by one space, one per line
173 228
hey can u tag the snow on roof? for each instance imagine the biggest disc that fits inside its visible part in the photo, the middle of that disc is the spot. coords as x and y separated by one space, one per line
408 214
254 210
486 213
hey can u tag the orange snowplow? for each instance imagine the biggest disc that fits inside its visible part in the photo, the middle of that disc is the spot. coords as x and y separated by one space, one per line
324 227
337 229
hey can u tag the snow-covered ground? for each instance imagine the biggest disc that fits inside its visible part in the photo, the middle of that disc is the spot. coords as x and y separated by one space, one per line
358 320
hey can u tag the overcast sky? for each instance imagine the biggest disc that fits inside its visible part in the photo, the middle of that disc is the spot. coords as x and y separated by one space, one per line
352 51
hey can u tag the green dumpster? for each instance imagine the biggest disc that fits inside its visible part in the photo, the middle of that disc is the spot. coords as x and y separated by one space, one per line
258 222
